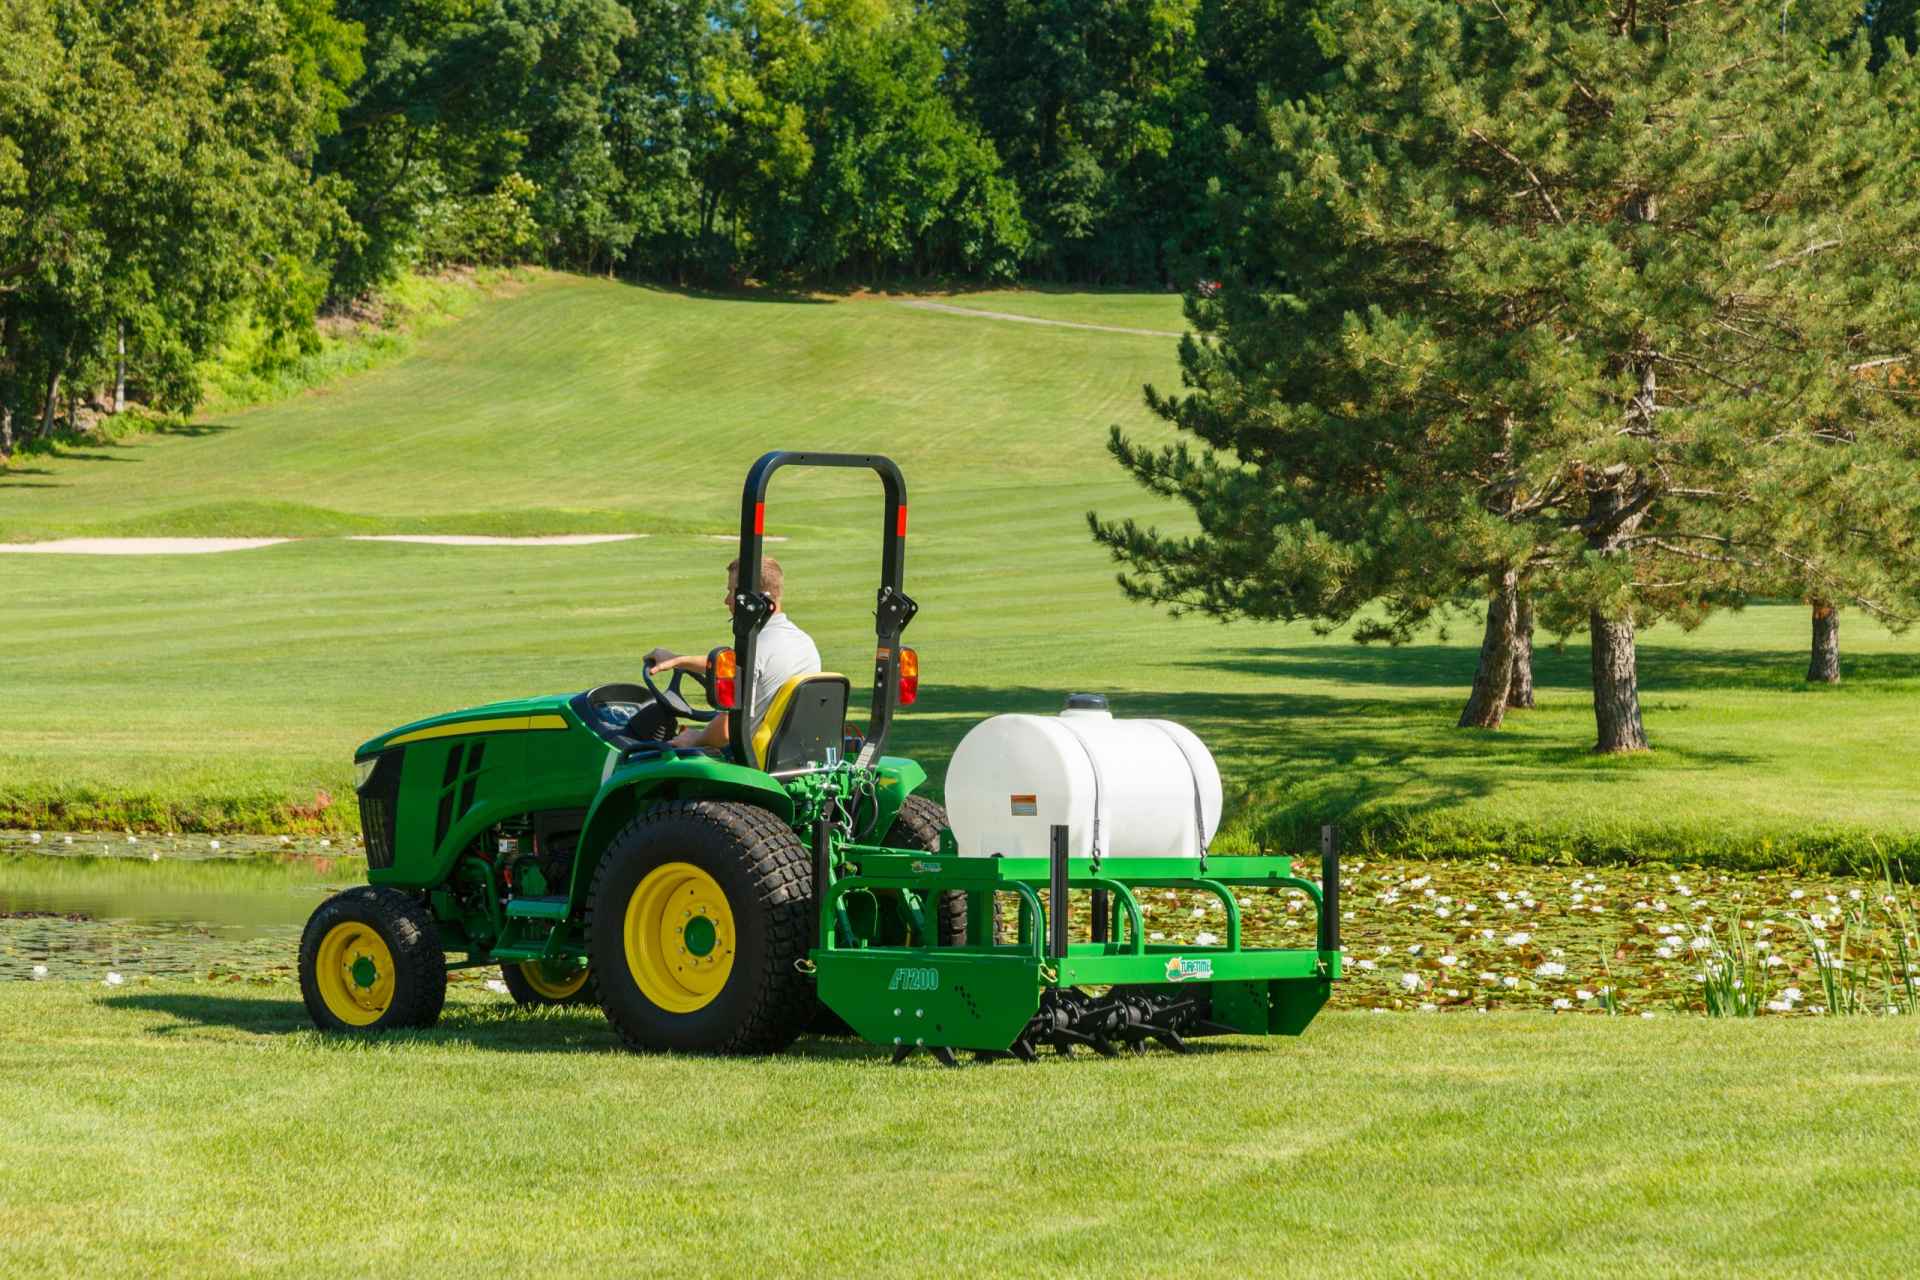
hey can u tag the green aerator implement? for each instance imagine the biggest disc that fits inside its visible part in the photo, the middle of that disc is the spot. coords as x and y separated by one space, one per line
728 901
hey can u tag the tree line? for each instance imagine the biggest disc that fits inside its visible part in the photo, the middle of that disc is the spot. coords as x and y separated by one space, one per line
1603 315
1599 315
168 164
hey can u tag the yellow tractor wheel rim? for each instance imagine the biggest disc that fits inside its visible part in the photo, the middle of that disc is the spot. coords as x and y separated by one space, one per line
542 981
680 937
354 971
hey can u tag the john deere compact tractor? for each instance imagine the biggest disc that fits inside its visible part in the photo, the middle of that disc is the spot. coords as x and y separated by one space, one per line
727 901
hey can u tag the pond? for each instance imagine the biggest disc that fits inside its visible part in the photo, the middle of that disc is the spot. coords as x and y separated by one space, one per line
84 915
1467 934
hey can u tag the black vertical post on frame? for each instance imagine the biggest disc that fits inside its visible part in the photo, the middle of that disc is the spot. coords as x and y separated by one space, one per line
1057 895
1100 915
822 877
1329 888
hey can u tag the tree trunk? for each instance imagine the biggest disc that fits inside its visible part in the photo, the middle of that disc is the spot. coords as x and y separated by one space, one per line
1825 667
6 425
1616 685
120 373
1520 685
1487 705
52 405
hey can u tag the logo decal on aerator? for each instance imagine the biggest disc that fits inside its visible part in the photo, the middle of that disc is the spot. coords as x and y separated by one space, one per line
1181 969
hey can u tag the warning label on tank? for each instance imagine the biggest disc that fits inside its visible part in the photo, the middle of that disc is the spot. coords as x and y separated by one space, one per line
1181 969
1026 806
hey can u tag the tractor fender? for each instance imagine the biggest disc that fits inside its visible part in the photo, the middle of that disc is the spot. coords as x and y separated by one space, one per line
896 778
630 788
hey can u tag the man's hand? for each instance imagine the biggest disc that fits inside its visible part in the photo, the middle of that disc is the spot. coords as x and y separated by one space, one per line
659 658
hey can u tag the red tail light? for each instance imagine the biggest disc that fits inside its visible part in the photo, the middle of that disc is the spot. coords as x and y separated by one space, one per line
725 666
909 677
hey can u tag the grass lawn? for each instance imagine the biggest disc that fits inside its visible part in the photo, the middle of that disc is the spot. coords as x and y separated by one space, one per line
227 691
179 1128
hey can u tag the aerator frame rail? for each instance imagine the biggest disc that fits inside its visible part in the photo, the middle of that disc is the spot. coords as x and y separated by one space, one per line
997 997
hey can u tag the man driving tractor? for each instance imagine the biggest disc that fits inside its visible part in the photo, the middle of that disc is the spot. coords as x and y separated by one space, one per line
782 652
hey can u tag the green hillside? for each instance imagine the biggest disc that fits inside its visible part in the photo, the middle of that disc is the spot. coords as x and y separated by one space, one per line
223 691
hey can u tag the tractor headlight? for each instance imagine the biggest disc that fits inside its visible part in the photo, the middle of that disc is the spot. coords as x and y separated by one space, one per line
363 769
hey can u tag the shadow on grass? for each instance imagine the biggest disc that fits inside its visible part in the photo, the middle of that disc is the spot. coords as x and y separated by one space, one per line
505 1029
1663 668
1303 758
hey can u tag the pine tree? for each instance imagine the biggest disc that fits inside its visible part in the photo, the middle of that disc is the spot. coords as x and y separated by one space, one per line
1546 301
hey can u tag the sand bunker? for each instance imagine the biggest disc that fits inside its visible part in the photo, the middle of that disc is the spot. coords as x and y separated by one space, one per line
484 540
137 546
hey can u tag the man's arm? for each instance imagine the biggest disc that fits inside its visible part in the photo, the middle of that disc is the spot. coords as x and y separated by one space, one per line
711 734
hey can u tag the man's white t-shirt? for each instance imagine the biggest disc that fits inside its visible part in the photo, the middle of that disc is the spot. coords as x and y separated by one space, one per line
782 652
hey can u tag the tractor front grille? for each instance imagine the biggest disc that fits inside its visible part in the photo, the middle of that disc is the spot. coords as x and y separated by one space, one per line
379 808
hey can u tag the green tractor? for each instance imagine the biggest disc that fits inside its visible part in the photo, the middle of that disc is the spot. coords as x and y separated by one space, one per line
727 901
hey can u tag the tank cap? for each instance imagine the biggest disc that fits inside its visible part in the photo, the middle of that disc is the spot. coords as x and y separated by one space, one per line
1086 702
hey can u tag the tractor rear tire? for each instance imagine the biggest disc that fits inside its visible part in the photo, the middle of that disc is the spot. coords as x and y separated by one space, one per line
371 960
530 985
699 917
917 826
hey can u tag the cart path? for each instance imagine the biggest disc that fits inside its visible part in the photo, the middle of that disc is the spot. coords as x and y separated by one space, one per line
949 309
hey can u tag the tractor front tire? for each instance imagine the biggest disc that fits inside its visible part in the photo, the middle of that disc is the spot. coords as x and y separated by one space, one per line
700 914
531 983
371 960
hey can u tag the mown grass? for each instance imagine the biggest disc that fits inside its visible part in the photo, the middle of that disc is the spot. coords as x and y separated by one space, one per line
227 692
193 1129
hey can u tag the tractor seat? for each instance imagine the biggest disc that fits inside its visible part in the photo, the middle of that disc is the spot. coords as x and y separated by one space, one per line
806 718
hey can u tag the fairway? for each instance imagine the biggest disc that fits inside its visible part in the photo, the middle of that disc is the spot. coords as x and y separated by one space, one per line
224 692
174 1128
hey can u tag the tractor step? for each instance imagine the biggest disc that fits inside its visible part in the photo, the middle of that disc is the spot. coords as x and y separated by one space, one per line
537 908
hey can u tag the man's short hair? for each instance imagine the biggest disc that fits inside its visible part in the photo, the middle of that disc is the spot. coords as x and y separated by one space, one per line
772 580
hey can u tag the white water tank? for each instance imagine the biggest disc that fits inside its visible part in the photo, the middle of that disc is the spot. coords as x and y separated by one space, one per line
1126 788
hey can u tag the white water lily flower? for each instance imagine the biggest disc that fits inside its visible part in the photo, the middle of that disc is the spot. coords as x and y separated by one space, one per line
66 839
1416 948
39 971
1550 969
326 844
497 986
1818 922
1410 981
1429 1008
1199 913
1779 1006
34 838
114 979
1791 993
1204 940
1773 962
1854 894
133 839
1487 934
1640 906
1563 1003
213 844
1449 961
1161 937
1579 897
1368 964
286 840
1584 994
1519 939
1797 894
1700 943
1442 912
154 856
1648 1016
1509 982
1489 977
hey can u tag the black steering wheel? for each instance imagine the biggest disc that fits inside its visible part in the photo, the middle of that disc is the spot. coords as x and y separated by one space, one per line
672 699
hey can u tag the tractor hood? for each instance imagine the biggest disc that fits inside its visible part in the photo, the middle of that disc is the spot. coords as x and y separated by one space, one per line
548 711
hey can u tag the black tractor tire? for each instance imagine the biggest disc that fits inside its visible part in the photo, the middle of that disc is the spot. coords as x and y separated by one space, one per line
419 962
917 826
523 991
763 870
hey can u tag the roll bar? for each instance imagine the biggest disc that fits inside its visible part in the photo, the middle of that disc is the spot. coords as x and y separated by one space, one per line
893 608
